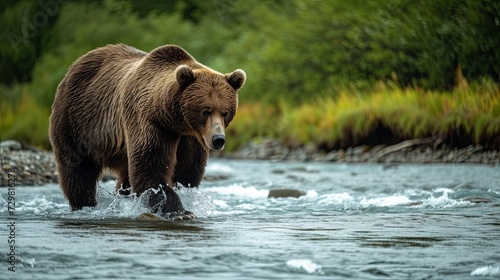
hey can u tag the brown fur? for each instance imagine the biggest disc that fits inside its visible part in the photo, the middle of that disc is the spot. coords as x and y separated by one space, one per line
150 117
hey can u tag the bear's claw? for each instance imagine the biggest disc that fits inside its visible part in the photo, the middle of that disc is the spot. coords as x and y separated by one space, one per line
181 216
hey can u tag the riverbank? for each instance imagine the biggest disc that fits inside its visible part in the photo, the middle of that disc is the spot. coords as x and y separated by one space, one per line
34 167
410 151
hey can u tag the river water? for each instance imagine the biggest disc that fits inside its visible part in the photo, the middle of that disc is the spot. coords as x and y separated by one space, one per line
356 221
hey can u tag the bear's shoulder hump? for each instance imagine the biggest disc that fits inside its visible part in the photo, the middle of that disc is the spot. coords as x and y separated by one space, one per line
170 54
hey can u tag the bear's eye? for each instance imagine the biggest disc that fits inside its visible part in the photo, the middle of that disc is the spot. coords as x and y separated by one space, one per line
224 114
206 113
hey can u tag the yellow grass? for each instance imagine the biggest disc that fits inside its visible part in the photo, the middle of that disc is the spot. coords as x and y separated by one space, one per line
472 113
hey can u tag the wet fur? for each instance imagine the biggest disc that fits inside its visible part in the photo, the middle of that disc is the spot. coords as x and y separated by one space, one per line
140 115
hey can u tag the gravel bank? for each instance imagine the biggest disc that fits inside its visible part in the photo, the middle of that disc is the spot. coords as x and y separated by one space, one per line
411 151
28 167
32 167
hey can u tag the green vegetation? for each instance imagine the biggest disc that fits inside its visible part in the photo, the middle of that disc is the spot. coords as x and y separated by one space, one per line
333 73
387 115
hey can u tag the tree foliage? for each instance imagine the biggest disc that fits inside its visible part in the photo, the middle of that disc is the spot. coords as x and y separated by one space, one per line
293 51
319 47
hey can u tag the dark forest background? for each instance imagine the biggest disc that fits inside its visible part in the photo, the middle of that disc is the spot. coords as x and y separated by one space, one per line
332 73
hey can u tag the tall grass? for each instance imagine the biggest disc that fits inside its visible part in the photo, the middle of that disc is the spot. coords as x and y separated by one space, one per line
252 121
27 122
467 115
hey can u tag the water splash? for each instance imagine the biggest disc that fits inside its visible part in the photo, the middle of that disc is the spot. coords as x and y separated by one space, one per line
218 168
305 265
240 199
486 271
110 204
40 204
385 201
196 201
238 190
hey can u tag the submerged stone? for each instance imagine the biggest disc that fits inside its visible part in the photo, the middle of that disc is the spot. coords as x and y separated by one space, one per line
148 217
285 193
476 199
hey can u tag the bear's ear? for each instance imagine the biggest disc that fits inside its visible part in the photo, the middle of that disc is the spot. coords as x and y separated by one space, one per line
236 79
184 75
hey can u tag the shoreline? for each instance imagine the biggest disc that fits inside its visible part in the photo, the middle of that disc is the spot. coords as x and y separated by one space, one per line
413 151
37 168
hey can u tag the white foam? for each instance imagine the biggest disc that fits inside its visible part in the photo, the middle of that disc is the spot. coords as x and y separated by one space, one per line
443 190
235 199
385 201
304 264
27 262
439 199
486 271
228 213
311 194
239 190
218 168
335 198
220 203
40 204
248 206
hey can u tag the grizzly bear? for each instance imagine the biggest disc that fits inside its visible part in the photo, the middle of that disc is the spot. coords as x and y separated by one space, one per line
151 118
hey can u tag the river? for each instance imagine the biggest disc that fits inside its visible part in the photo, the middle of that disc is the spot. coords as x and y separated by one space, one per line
355 221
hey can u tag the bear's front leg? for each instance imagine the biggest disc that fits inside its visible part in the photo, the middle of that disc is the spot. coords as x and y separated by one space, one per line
191 162
165 202
151 170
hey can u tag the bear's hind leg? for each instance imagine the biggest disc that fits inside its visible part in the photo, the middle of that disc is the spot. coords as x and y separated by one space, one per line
119 165
123 183
78 182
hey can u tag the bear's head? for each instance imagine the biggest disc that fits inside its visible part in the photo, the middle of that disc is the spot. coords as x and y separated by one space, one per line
208 102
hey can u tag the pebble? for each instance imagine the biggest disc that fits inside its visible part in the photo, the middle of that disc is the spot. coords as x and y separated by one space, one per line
47 174
12 145
30 167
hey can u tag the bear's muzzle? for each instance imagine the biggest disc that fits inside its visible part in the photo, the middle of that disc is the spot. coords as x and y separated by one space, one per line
218 141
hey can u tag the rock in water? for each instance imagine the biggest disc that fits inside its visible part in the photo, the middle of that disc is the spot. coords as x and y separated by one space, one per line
185 216
478 199
285 193
12 145
149 217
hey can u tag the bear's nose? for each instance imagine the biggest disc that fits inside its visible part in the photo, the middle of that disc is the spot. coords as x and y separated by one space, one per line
218 141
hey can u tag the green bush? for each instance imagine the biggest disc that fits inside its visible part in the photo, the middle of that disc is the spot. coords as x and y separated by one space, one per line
298 55
27 123
461 117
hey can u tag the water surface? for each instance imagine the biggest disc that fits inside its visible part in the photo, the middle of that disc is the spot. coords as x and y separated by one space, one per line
356 221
